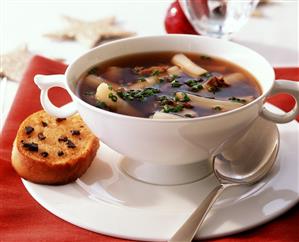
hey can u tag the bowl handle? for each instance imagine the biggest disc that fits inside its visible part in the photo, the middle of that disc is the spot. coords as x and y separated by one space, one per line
283 86
45 82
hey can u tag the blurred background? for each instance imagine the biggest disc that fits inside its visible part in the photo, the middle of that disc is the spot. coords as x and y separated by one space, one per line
272 30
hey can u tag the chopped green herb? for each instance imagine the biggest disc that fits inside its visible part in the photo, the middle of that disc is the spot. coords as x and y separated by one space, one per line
176 83
139 95
207 75
166 108
196 88
182 97
161 80
186 98
102 105
177 108
217 108
173 77
191 82
112 97
194 85
172 109
155 73
238 100
142 79
89 93
110 87
166 100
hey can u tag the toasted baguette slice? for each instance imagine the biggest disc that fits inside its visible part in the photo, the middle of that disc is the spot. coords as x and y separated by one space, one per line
53 151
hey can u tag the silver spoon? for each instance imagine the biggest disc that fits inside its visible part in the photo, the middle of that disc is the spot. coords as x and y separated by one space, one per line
244 163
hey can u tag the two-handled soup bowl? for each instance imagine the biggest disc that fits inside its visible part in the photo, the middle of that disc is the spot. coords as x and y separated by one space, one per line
169 151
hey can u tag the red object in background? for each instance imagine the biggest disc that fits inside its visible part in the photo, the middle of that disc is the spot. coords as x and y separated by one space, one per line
176 21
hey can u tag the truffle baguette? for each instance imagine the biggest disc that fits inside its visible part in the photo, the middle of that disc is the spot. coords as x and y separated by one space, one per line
53 151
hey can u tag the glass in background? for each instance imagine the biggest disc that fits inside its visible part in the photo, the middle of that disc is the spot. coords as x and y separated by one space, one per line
218 18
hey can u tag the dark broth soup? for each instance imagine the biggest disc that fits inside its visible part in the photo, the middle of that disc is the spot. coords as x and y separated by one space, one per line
167 85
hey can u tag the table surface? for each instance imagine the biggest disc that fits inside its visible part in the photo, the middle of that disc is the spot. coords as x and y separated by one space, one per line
274 35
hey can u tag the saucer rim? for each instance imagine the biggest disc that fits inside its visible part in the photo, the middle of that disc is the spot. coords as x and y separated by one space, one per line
47 205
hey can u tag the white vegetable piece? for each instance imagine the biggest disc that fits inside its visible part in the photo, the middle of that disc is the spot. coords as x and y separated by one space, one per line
148 82
234 78
174 70
188 66
212 103
94 81
104 94
161 115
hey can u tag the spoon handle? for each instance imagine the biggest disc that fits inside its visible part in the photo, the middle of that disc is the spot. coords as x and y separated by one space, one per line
188 230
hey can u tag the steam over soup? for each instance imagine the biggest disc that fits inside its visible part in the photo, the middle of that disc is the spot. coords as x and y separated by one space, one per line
167 85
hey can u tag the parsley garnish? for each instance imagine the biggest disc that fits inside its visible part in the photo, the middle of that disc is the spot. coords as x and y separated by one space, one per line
173 77
194 85
176 83
172 109
183 98
166 100
139 95
196 88
207 75
112 97
102 105
238 100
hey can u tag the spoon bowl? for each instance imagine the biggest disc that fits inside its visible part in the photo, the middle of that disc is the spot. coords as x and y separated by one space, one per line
246 162
249 160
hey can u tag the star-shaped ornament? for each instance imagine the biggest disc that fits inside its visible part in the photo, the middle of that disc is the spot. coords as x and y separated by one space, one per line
14 63
90 33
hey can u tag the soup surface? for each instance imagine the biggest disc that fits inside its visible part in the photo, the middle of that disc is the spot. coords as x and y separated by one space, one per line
167 85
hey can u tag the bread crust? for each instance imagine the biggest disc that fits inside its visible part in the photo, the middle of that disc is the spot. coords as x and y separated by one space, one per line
53 169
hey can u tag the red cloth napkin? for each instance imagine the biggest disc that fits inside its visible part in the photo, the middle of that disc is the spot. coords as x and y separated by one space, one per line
23 219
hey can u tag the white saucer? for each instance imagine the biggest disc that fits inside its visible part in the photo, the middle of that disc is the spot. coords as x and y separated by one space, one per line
107 201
